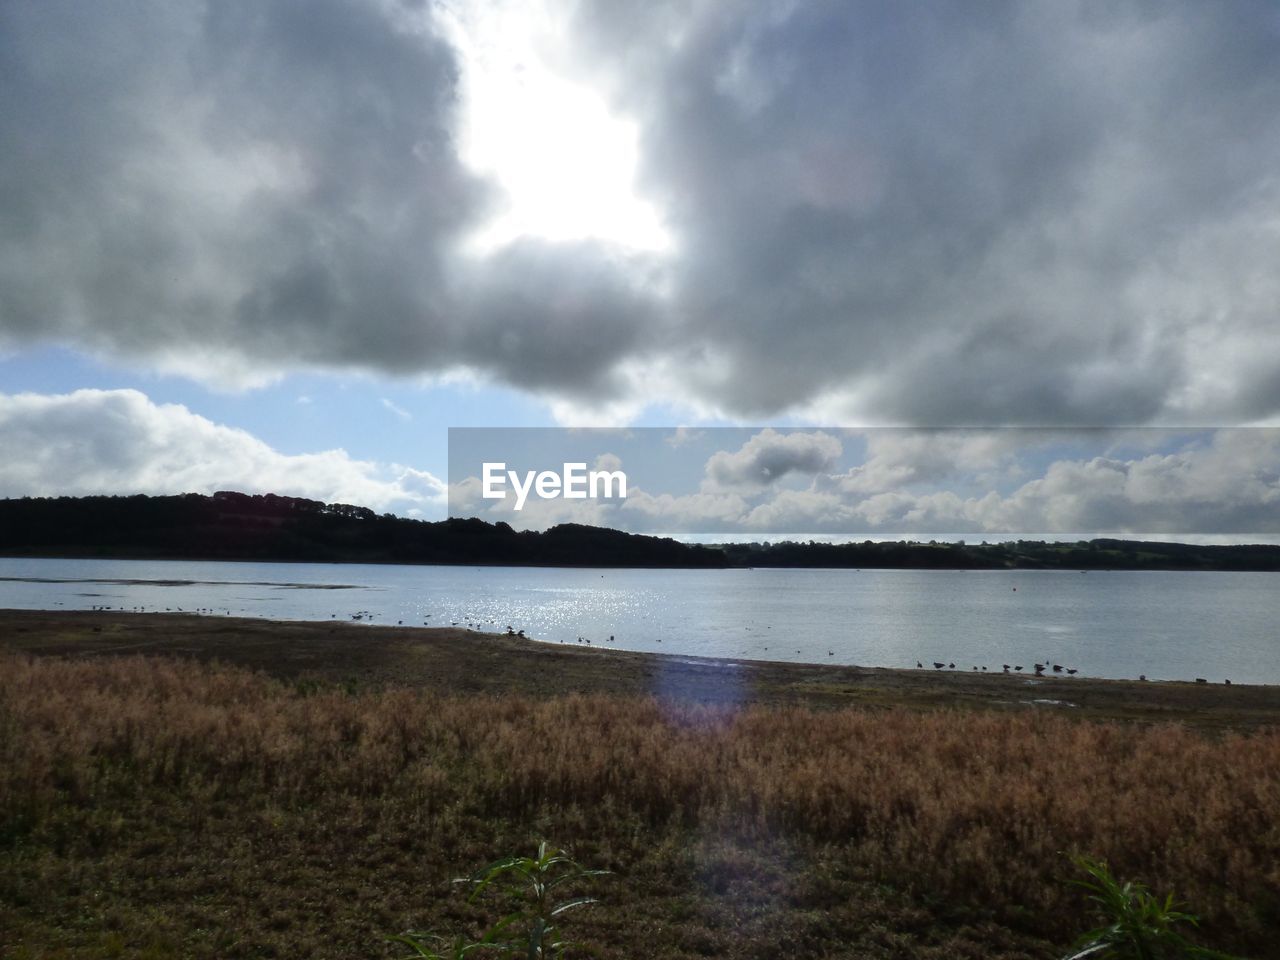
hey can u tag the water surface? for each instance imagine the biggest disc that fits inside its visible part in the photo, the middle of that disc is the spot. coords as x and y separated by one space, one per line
1169 625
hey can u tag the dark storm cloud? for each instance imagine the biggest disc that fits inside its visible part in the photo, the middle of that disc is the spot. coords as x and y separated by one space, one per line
248 176
555 316
967 213
277 182
937 213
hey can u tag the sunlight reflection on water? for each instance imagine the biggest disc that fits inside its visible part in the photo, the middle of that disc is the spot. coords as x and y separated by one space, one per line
1175 625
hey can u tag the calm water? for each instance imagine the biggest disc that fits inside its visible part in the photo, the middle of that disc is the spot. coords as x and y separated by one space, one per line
1107 624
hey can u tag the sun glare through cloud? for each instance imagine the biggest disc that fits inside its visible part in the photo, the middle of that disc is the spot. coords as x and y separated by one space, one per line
564 161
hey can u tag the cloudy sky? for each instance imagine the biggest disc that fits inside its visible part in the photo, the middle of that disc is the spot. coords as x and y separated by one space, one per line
1219 485
285 244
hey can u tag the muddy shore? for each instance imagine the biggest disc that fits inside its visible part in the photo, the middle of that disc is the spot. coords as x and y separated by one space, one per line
470 662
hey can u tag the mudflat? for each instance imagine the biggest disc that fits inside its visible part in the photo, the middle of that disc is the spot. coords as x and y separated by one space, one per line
472 662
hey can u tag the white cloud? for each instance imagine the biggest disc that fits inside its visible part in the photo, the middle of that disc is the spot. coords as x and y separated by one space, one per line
1221 483
799 511
768 457
119 442
681 436
1229 485
902 458
395 408
608 461
692 513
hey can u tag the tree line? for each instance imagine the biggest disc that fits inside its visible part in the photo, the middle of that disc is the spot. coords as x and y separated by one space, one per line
238 526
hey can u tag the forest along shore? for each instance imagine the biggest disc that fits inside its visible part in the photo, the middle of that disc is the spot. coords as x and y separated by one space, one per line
468 662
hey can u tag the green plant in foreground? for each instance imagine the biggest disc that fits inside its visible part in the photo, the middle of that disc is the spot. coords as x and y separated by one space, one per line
1141 924
529 931
457 949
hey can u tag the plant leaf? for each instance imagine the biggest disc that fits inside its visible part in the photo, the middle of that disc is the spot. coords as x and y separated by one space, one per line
570 904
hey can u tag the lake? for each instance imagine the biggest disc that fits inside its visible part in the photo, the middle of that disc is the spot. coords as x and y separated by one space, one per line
1167 625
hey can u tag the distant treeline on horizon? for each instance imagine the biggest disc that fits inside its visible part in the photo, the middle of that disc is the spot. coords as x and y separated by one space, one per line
238 526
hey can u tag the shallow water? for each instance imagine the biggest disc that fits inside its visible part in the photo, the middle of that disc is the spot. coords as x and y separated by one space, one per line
1166 625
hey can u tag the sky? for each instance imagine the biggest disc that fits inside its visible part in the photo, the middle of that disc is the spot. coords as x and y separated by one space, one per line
285 245
884 483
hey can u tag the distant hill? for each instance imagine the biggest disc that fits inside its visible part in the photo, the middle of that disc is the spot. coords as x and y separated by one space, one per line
238 526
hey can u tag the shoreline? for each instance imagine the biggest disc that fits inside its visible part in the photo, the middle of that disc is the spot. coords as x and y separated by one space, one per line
460 661
160 556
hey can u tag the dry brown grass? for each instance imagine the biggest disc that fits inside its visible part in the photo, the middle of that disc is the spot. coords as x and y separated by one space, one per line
190 809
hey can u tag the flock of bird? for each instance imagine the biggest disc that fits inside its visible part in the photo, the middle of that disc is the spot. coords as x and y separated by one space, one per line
1039 668
587 641
197 610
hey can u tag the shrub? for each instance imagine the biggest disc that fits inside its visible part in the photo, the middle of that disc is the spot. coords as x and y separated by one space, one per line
530 931
1141 925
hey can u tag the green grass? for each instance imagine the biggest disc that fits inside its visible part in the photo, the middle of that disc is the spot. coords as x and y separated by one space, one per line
1138 924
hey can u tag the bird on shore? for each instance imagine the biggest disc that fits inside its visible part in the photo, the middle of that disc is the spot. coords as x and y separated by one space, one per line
937 665
1227 682
1018 667
1057 668
1072 670
919 665
951 665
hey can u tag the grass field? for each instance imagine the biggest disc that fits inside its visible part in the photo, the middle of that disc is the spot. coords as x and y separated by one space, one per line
167 806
